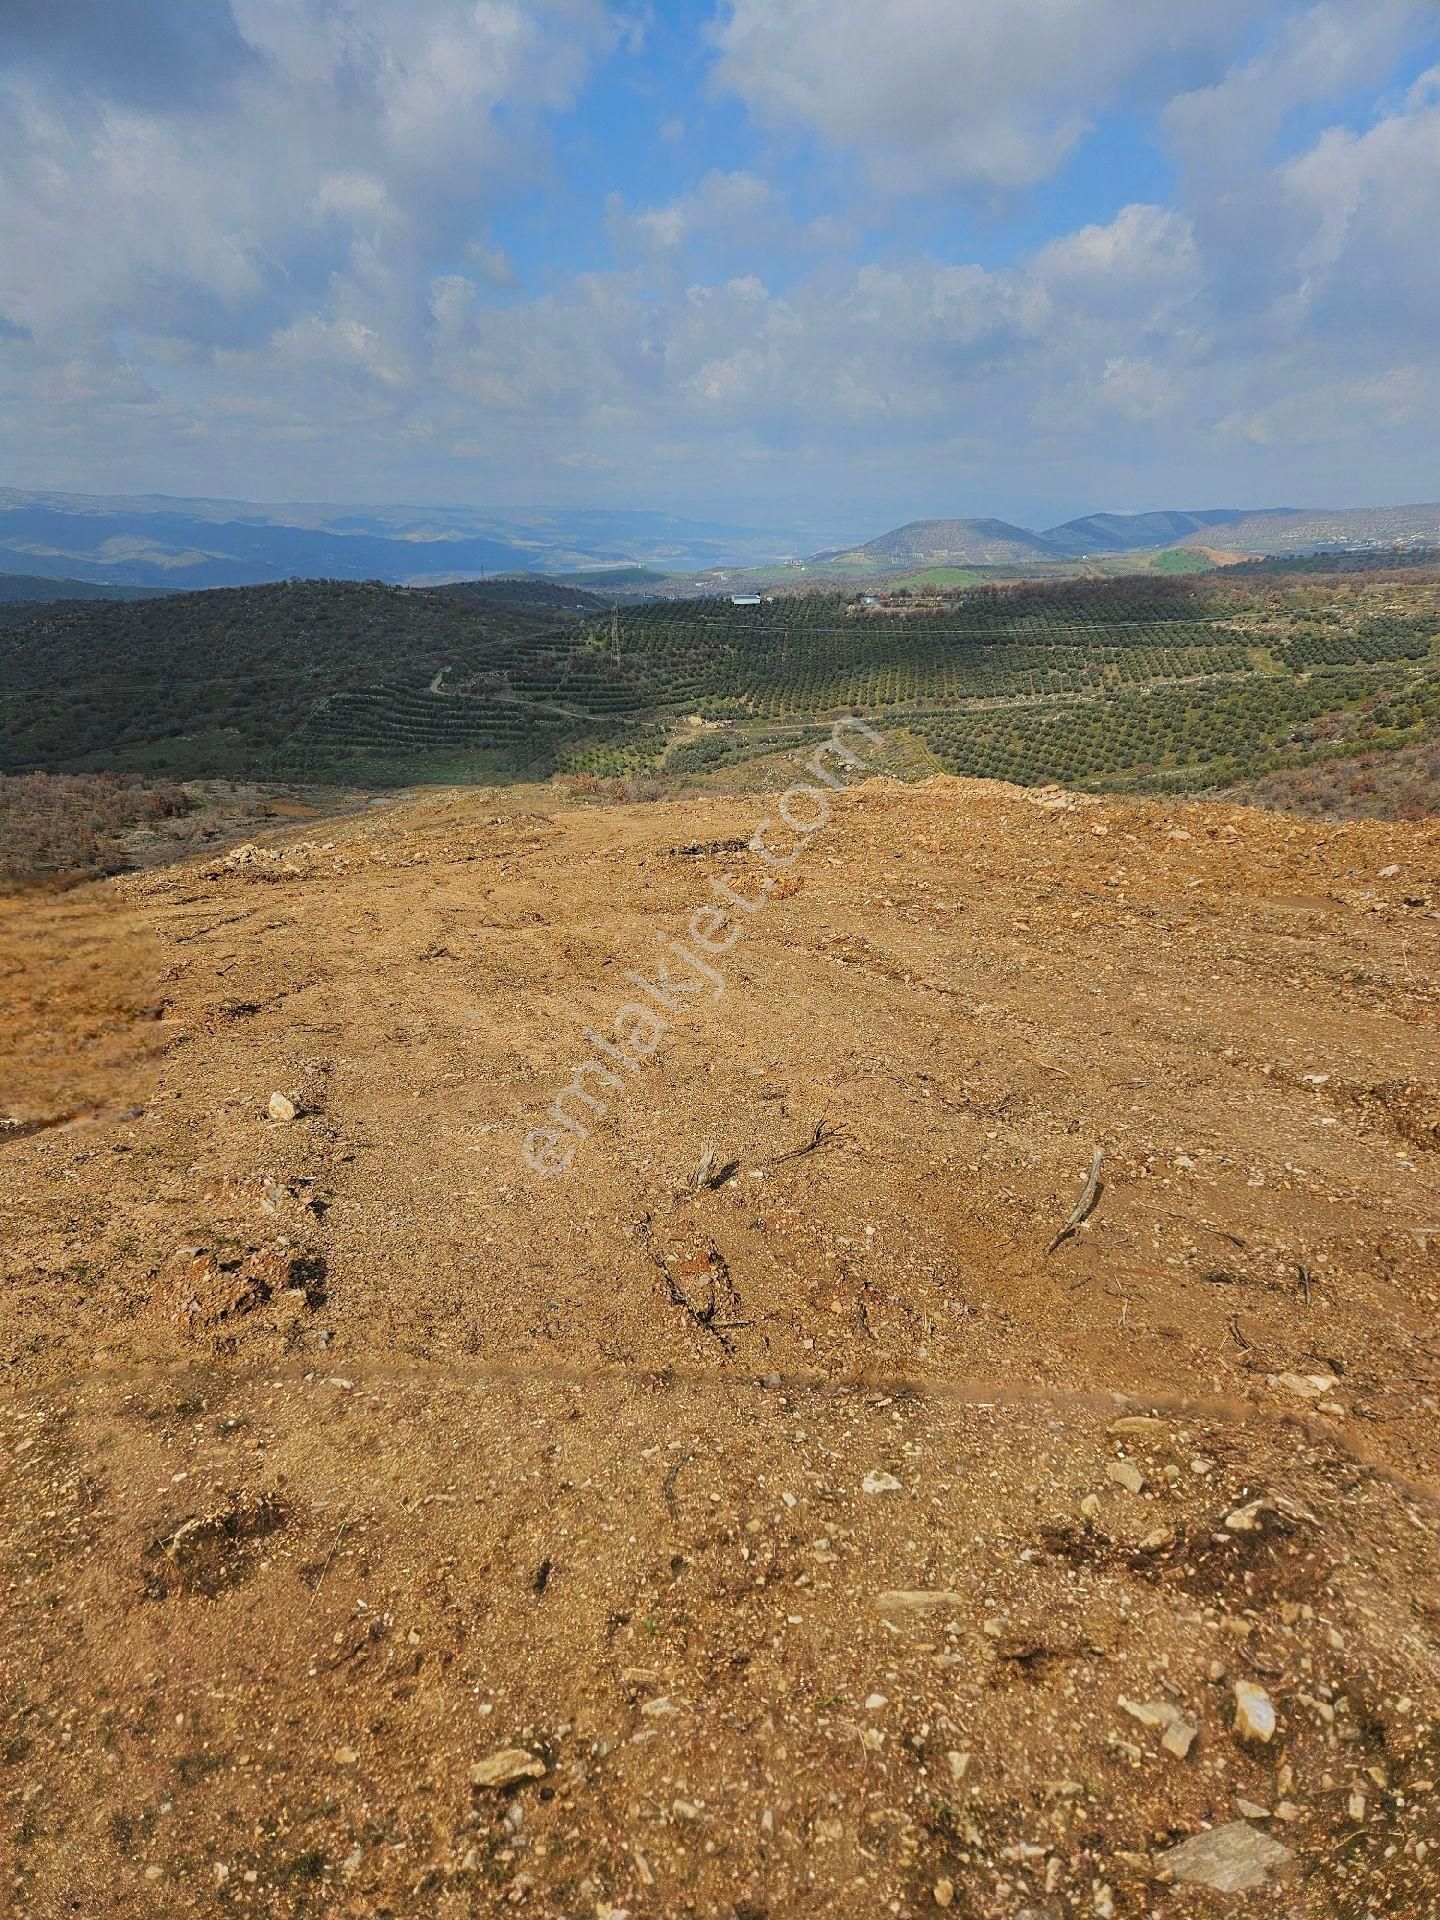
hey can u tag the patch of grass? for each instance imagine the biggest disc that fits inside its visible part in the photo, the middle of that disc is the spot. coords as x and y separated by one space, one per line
1181 560
935 577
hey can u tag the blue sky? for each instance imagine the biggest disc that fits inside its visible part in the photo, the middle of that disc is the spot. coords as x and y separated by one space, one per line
816 263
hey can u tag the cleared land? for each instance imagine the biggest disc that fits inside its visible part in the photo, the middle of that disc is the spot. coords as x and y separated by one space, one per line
807 1527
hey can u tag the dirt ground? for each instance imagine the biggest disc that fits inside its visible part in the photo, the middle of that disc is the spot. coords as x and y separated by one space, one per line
816 1524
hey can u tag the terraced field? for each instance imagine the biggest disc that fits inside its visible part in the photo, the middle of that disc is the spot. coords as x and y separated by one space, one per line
1141 682
1147 682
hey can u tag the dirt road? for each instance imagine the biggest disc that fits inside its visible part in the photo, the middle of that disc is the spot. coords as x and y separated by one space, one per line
821 1535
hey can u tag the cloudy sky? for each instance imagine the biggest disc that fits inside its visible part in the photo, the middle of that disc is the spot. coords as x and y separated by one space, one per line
831 262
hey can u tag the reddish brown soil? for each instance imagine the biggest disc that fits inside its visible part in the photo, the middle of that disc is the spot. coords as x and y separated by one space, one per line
344 1452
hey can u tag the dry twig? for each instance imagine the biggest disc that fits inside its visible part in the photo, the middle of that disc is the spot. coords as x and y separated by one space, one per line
1082 1208
821 1134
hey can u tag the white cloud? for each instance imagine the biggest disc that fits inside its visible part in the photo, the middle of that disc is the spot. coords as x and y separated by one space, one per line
725 210
1338 412
302 258
378 119
1320 52
933 94
1366 207
1137 388
353 195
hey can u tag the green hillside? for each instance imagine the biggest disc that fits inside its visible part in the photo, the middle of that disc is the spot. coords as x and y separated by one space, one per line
33 588
1175 560
1143 680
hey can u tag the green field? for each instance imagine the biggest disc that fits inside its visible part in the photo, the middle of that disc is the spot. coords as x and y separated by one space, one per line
935 577
1181 560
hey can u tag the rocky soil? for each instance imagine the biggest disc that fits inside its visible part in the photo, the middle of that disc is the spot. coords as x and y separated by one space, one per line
838 1490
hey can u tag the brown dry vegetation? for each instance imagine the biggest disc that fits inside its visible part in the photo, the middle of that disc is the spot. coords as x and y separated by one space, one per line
72 826
1401 785
346 1451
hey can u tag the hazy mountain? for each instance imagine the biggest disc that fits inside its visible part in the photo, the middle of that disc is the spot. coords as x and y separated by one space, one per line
153 541
1130 532
932 543
928 543
1313 529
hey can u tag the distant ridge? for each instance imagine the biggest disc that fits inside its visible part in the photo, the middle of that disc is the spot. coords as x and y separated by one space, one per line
151 541
33 587
1126 532
929 543
154 541
981 542
1316 529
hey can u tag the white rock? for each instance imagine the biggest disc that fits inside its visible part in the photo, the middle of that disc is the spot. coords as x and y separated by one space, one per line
1178 1738
1254 1712
1229 1859
1306 1386
877 1481
1125 1474
1150 1713
944 1892
503 1769
281 1107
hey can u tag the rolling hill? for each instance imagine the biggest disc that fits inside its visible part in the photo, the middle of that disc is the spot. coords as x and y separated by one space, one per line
1134 532
155 541
1147 680
1278 530
1312 530
929 543
35 588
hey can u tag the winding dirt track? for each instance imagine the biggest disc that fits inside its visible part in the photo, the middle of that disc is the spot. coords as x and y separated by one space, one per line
347 1450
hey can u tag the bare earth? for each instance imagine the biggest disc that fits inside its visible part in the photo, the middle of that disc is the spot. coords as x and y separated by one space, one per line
776 1520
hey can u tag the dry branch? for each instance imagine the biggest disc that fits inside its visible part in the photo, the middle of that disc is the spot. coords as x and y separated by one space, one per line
1089 1194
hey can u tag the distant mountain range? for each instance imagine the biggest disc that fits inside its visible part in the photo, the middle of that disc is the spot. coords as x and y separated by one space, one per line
151 540
988 543
155 542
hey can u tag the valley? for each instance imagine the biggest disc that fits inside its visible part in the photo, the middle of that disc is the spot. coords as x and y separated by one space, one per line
1142 682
